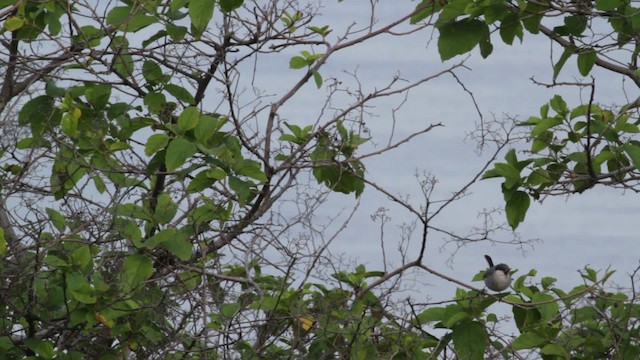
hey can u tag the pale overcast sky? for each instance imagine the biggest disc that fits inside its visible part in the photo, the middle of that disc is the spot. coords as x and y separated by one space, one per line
596 228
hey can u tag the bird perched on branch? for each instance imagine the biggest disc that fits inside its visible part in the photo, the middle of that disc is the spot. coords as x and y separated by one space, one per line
497 278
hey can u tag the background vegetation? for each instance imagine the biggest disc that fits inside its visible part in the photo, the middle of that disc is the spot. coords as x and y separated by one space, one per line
156 203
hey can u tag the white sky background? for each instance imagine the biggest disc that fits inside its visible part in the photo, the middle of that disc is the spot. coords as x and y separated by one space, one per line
596 228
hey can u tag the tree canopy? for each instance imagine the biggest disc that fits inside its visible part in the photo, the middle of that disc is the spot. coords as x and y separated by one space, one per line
158 199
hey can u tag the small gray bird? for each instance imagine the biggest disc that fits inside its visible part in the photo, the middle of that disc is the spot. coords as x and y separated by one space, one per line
497 278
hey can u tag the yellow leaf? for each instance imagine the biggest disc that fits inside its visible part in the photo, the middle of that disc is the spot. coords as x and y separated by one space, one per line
13 23
306 322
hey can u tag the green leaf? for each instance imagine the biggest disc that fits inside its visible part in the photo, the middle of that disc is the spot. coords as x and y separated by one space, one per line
229 310
469 340
13 23
57 219
82 256
250 168
152 72
200 13
459 37
200 182
176 33
317 78
80 289
510 28
69 124
429 315
155 102
126 20
189 118
586 60
528 340
155 143
118 15
298 62
241 188
427 8
568 51
230 5
559 105
98 95
606 5
136 269
165 209
516 208
544 125
549 309
159 238
206 127
553 349
179 246
180 93
633 150
178 151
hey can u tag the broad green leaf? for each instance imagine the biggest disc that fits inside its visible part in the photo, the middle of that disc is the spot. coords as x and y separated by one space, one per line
206 127
69 124
200 13
553 349
606 5
230 5
298 62
544 125
80 288
429 315
516 208
568 51
159 238
178 151
251 169
559 105
510 28
469 340
200 182
317 78
459 37
241 188
136 269
176 33
586 60
36 112
528 340
633 150
532 16
155 143
126 20
42 348
13 23
189 118
155 102
165 209
98 95
180 93
118 15
549 309
82 256
427 8
179 246
57 219
229 310
152 72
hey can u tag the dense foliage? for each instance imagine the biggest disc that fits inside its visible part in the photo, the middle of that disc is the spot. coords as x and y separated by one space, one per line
156 203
